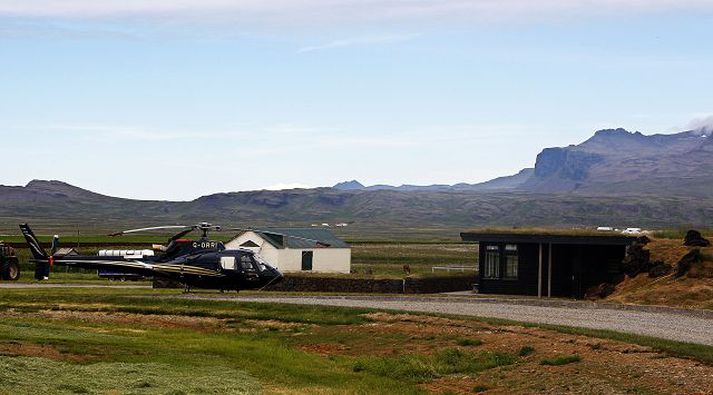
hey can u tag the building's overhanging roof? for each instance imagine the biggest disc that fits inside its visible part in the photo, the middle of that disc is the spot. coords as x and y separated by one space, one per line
553 236
300 238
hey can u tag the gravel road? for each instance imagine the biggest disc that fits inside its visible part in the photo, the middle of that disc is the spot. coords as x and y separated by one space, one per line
55 285
673 324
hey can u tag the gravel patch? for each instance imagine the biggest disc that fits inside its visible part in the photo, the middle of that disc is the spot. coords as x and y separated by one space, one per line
56 285
673 325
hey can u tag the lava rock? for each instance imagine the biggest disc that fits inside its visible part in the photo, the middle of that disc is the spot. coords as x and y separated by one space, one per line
618 278
600 291
688 260
643 239
694 238
638 260
659 269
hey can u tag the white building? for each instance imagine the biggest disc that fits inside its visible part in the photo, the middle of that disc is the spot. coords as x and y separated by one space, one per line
297 249
632 231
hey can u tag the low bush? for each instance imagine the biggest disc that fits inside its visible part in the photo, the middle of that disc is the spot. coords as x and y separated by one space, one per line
465 342
561 360
525 351
421 368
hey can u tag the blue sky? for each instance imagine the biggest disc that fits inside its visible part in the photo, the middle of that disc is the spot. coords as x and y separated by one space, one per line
165 101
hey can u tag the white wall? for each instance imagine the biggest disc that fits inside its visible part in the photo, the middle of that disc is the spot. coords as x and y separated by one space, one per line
325 260
266 250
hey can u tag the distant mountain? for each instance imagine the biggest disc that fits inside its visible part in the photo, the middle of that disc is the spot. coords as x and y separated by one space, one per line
614 178
505 183
349 185
613 161
616 161
391 212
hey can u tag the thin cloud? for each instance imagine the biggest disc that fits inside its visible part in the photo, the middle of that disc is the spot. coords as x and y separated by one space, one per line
360 41
115 132
702 124
338 11
283 186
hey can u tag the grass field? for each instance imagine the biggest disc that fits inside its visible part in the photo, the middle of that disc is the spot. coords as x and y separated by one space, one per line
131 341
389 258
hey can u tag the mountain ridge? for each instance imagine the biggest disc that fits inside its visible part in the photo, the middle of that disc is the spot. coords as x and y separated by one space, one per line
615 177
605 163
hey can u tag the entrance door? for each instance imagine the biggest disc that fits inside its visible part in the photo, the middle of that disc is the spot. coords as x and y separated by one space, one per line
562 270
307 257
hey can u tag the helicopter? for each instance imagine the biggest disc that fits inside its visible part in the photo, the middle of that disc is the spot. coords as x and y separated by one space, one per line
201 263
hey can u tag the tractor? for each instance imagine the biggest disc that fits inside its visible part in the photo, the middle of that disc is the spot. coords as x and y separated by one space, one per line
9 265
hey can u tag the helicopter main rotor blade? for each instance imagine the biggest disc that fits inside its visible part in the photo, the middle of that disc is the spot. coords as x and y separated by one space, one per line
151 229
181 234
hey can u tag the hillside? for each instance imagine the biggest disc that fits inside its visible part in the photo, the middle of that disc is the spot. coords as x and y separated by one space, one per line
394 212
615 178
693 290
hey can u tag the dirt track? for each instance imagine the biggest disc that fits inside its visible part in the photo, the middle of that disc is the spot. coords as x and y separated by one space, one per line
673 324
693 326
20 285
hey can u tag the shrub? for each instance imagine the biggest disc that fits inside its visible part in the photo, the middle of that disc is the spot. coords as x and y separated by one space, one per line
420 368
562 360
525 351
464 342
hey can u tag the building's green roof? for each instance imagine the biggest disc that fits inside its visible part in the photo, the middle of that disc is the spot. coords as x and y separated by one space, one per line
540 235
301 238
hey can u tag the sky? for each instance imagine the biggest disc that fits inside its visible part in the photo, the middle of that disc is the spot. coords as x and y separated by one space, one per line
177 99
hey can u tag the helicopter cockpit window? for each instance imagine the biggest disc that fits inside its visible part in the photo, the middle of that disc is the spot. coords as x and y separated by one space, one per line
261 263
246 262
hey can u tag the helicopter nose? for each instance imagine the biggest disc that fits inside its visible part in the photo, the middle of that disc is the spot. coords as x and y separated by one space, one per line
278 276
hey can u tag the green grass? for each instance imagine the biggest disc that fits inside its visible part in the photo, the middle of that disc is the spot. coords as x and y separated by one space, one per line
258 345
390 258
76 277
29 375
130 300
466 342
260 352
699 352
561 360
525 351
422 368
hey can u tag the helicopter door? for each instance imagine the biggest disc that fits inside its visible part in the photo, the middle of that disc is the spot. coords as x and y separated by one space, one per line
227 262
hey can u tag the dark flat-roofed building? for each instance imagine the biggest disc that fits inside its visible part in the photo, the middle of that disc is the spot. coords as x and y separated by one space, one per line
547 262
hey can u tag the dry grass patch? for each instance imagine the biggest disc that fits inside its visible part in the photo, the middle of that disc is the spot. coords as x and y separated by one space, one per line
573 363
693 290
13 348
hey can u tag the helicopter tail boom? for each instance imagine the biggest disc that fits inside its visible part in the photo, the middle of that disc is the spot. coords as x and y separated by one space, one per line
42 260
36 249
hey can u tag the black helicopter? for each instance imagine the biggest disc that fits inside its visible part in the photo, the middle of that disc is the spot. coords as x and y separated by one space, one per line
201 263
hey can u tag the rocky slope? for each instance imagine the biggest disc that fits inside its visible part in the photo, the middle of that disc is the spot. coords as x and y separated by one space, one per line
612 162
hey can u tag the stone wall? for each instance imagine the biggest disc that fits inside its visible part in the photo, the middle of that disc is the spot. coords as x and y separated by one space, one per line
409 285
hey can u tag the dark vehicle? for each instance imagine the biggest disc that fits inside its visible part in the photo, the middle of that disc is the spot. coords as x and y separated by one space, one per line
9 265
201 263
